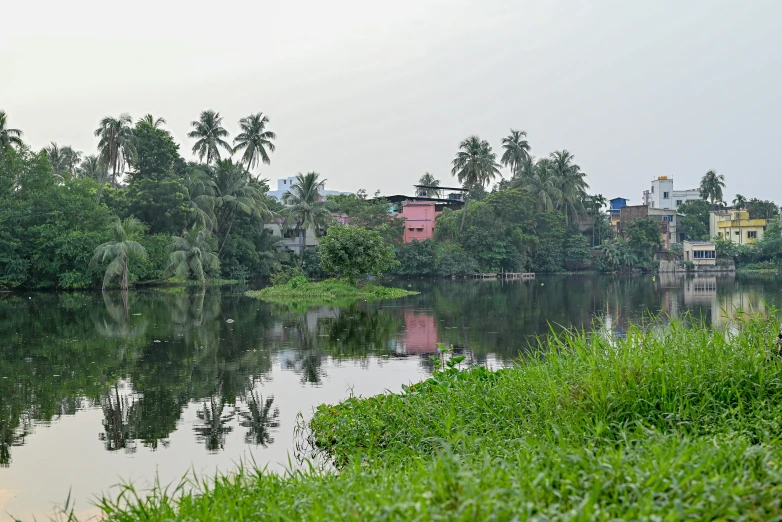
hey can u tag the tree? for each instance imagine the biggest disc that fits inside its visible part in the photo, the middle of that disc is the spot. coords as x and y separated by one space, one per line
192 256
116 145
429 189
711 187
352 251
542 186
209 133
119 251
371 214
91 167
516 151
64 160
571 184
306 209
8 137
760 209
236 191
694 223
150 120
254 140
644 238
739 201
475 165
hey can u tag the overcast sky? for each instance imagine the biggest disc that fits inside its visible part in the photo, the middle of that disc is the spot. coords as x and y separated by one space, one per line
373 94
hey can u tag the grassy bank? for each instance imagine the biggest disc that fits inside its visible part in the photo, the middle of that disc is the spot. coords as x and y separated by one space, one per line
676 424
329 292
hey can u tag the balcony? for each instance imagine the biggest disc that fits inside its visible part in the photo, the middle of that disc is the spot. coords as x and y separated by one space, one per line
737 223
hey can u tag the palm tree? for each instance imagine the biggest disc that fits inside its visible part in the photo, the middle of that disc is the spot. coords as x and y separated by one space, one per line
595 205
201 192
474 166
63 160
711 186
571 184
739 201
306 208
92 167
542 186
236 191
192 256
209 132
259 419
516 151
152 121
254 140
120 250
117 144
429 182
8 137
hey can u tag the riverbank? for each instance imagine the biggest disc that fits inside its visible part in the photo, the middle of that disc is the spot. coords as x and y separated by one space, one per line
327 292
677 421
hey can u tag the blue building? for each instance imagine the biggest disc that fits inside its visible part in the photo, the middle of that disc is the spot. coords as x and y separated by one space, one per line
615 209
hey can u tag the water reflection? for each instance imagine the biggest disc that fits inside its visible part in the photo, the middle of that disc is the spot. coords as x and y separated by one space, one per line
157 363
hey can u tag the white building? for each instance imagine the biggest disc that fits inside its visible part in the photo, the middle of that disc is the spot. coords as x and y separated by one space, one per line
284 185
662 195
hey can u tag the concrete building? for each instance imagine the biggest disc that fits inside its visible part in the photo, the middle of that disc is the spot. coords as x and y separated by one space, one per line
291 238
662 194
284 185
736 226
420 212
615 207
700 252
668 221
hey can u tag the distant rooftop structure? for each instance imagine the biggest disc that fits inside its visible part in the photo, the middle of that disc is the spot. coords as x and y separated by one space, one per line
285 184
662 194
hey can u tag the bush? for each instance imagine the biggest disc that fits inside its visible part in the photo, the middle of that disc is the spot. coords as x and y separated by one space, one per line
351 252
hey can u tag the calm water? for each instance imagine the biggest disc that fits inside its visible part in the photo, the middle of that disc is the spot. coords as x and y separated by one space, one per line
95 390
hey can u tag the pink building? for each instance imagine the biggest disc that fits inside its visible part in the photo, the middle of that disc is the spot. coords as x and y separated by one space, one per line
419 219
420 333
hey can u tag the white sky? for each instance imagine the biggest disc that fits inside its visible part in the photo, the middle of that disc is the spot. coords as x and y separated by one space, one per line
373 94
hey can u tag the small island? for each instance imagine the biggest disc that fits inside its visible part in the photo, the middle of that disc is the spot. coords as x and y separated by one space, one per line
350 252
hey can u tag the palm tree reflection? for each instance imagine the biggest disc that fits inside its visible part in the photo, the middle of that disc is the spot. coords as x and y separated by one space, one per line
118 414
259 419
212 429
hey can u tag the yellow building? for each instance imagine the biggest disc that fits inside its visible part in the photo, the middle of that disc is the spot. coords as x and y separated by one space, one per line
735 226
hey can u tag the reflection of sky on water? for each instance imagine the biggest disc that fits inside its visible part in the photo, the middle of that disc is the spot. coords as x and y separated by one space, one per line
95 389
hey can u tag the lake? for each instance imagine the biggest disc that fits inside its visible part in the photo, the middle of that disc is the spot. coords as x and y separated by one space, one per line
96 389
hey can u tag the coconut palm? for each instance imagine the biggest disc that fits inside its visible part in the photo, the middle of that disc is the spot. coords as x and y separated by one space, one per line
118 414
209 133
119 251
427 191
63 160
117 144
254 140
236 191
8 137
259 419
92 167
151 120
516 151
192 255
571 184
201 192
711 186
739 201
543 186
474 166
306 208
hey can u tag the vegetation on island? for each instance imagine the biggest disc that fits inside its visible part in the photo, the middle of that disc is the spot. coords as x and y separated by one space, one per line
592 427
350 252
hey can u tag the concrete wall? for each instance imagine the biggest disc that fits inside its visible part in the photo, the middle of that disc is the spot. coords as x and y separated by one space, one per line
419 220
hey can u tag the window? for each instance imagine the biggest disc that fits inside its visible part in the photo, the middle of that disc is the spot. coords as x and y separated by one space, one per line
652 189
678 202
752 234
668 218
666 195
737 233
704 254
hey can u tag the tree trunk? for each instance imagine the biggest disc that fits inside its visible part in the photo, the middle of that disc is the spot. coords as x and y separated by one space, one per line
124 283
227 233
303 235
464 211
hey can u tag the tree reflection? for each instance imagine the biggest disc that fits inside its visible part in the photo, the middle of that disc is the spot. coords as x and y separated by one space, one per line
212 428
118 412
259 419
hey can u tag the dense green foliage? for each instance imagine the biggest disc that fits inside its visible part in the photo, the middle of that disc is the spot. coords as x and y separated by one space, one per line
55 212
370 213
694 222
350 252
763 254
593 428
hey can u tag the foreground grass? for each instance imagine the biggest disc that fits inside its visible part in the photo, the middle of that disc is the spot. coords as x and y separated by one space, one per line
330 291
668 425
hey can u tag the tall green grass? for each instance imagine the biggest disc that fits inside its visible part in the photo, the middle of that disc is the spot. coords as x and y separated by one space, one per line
672 424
